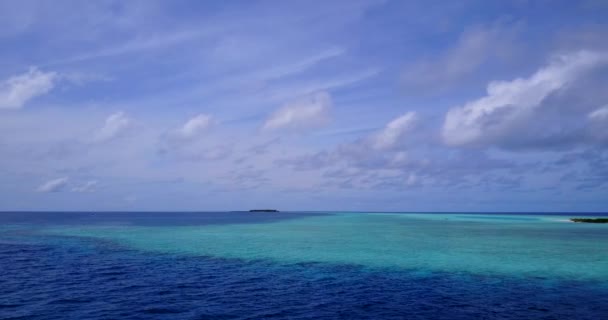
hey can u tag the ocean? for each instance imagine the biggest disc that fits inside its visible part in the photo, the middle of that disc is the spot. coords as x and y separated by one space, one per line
301 265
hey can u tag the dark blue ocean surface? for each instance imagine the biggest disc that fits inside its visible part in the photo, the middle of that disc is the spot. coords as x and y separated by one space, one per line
51 276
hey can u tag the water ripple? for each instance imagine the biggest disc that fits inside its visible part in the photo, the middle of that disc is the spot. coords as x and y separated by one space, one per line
69 280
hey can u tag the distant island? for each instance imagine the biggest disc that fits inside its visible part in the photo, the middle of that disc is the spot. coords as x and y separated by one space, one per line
590 220
264 210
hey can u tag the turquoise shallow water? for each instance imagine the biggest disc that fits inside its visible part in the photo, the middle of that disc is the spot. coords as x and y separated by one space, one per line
515 245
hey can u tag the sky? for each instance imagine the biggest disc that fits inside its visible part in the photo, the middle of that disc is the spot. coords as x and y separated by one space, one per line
359 105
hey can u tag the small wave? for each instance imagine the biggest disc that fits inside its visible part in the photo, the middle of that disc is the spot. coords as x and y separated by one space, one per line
161 311
70 301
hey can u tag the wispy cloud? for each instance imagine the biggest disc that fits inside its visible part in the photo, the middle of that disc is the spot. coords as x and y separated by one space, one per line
136 45
310 111
114 126
88 186
55 185
474 47
16 91
599 114
301 65
194 126
394 131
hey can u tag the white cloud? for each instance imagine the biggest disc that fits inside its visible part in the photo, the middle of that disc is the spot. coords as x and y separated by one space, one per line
54 185
508 102
194 126
394 131
311 111
88 186
115 125
16 91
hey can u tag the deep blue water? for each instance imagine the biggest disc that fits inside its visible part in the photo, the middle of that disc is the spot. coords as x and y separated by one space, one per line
55 277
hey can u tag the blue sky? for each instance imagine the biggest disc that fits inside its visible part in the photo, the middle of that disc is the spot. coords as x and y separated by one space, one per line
304 105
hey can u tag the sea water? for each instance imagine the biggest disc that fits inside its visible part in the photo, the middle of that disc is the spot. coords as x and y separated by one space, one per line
301 266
